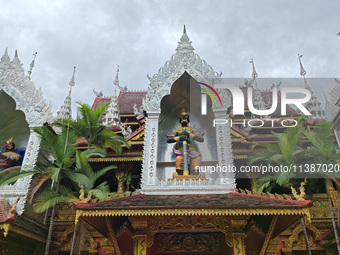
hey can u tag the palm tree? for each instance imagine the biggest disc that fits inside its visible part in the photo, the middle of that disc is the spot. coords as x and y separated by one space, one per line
87 125
64 167
285 151
69 172
288 150
323 150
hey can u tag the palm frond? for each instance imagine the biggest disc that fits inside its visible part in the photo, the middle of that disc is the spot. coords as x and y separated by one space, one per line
36 183
95 152
47 199
12 174
101 190
101 172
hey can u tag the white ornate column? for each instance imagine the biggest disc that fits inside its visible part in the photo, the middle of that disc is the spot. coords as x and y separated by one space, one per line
28 164
150 150
224 147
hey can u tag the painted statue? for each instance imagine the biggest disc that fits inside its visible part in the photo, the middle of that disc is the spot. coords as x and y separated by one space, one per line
9 157
187 153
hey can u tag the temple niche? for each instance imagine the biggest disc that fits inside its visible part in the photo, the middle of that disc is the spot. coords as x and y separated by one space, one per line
12 124
174 89
185 96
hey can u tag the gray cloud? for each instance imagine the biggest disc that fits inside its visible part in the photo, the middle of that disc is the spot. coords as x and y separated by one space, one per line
140 36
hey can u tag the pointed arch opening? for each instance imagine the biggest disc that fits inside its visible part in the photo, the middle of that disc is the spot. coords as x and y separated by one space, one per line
185 94
12 123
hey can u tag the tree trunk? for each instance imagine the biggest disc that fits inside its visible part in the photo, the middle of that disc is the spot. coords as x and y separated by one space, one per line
50 230
74 238
333 219
338 207
306 236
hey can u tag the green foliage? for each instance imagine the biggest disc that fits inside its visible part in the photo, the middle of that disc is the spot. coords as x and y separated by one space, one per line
128 179
63 171
323 144
285 151
288 150
70 170
12 174
88 127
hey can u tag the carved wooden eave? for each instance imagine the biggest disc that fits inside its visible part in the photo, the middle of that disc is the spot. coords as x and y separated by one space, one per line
15 83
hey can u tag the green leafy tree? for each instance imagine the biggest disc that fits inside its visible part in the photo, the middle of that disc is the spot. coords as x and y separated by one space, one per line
323 151
87 125
286 151
128 180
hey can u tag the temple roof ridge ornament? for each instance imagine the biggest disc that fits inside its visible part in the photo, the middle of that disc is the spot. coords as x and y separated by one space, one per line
28 98
112 115
303 72
313 105
32 65
16 63
258 100
184 60
184 44
66 109
5 60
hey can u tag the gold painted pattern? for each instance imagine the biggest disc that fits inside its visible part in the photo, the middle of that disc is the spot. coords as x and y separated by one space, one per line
116 159
185 212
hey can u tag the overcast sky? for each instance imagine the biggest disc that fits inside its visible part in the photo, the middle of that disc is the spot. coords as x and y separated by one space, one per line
140 36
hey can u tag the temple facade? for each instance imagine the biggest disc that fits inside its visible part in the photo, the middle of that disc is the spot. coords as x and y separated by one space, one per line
174 208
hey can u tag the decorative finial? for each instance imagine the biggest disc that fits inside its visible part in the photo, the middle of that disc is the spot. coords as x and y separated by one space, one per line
16 54
116 81
32 65
5 57
98 94
254 74
66 109
72 83
184 44
302 70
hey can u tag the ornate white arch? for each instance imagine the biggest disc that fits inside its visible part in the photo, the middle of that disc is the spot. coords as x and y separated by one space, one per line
31 102
184 60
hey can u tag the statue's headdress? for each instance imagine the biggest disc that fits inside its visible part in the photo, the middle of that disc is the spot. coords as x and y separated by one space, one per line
185 115
10 144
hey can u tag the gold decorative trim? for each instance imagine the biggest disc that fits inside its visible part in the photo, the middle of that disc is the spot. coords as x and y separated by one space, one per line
138 136
136 142
189 212
238 136
78 214
116 159
220 223
298 229
5 227
240 156
21 231
127 115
